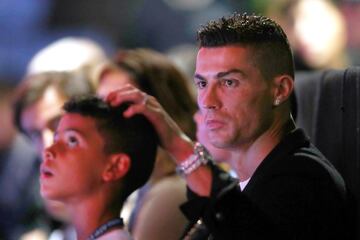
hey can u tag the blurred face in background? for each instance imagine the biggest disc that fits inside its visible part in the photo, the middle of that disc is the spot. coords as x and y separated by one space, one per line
6 123
112 79
40 119
320 32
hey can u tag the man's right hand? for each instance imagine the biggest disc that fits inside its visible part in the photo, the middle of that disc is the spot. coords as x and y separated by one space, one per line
172 138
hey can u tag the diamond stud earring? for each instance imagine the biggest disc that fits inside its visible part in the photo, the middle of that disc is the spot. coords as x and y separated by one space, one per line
277 102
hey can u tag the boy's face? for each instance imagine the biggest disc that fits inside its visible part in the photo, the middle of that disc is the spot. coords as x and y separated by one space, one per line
72 166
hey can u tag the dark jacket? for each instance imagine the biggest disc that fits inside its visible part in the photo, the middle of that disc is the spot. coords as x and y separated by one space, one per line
295 193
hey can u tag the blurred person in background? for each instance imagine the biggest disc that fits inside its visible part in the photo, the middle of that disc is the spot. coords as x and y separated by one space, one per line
69 54
20 209
38 103
316 30
156 214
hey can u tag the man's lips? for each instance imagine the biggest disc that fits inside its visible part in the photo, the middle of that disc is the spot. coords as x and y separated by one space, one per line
213 124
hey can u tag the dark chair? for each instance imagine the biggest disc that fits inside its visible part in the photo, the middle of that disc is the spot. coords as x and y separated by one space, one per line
328 109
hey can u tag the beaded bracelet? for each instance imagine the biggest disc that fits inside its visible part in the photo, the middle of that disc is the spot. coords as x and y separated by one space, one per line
198 158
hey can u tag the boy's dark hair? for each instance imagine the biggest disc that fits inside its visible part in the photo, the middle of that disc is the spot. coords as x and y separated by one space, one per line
134 136
266 39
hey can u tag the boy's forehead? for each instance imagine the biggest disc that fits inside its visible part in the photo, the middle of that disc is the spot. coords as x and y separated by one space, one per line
74 121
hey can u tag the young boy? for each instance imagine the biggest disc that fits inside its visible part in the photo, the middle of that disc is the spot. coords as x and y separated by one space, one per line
97 159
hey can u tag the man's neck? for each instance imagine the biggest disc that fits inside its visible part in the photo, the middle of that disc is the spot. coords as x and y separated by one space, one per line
245 160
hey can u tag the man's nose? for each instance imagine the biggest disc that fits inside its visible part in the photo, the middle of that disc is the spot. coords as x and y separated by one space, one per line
208 99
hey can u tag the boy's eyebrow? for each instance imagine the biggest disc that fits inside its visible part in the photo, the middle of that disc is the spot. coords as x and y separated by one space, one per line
77 131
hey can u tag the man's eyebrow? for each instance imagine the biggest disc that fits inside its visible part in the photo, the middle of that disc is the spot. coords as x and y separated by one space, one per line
234 70
198 76
221 74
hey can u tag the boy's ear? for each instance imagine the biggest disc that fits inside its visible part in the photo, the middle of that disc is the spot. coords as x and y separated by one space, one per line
117 167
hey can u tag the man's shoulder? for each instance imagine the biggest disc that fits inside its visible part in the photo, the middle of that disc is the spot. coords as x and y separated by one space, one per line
309 163
310 158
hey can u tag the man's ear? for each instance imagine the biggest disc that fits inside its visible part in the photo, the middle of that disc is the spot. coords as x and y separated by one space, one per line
117 167
283 87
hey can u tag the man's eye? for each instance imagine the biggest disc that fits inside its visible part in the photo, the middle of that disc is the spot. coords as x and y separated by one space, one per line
229 83
200 84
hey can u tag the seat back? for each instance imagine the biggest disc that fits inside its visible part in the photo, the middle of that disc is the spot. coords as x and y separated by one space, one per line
328 109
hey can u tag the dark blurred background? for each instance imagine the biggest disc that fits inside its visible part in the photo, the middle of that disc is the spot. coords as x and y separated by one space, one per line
169 26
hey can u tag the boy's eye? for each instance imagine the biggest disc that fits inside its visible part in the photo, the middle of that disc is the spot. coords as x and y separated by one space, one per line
72 141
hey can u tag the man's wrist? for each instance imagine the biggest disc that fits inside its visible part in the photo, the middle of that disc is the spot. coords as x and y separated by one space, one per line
200 156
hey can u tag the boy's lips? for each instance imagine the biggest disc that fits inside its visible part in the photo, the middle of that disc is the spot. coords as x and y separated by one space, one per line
45 172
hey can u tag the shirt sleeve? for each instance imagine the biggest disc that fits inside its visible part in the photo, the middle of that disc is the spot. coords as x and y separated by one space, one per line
228 213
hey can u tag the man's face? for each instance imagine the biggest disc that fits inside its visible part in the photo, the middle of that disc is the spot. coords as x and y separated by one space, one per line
40 119
72 166
235 100
6 123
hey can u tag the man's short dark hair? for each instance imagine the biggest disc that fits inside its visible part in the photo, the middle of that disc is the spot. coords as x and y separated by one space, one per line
134 136
266 39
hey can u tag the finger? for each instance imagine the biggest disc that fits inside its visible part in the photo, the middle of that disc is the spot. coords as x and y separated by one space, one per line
133 95
113 94
148 107
134 109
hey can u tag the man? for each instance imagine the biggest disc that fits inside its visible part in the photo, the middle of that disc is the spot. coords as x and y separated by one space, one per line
19 212
97 159
39 100
37 110
288 190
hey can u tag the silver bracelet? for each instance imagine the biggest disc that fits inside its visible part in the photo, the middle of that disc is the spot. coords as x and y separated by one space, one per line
195 160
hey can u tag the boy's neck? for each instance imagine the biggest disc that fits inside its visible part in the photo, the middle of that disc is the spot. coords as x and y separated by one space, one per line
88 216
